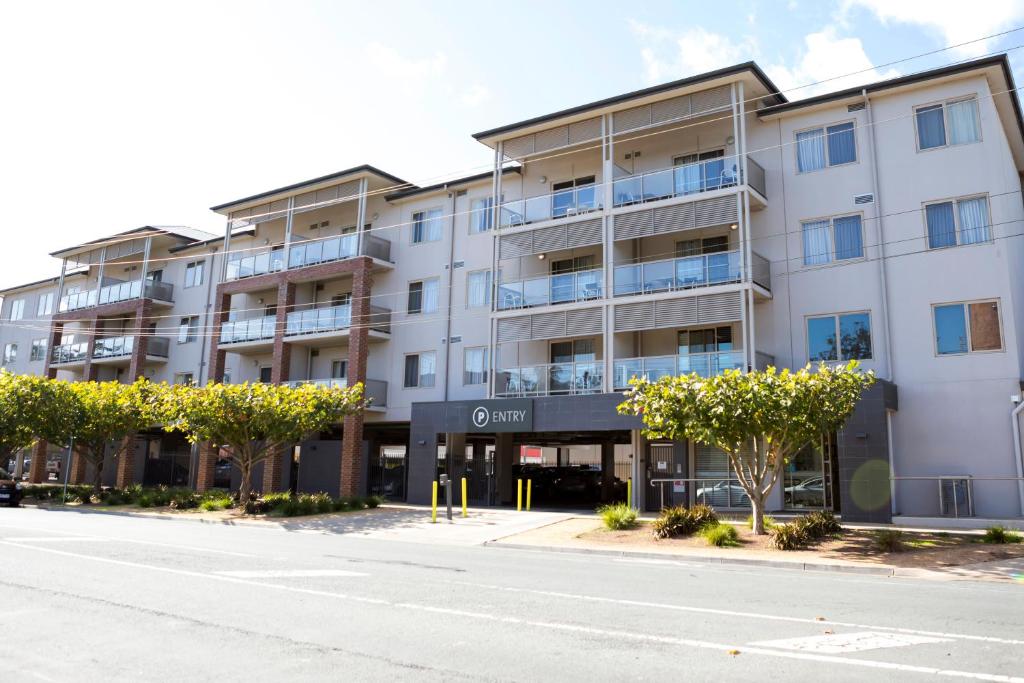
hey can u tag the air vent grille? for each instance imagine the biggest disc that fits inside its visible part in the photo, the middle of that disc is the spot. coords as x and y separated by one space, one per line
867 198
855 107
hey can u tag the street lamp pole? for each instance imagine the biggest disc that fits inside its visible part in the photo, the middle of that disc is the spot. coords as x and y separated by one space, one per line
67 470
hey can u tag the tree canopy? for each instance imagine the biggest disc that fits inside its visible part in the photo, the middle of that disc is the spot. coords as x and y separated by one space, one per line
31 407
760 419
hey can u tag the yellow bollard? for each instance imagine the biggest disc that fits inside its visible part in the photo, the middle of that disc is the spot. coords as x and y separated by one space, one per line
529 493
433 504
465 513
629 491
519 496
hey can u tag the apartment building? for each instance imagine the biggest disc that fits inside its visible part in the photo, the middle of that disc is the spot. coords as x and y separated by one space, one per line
699 225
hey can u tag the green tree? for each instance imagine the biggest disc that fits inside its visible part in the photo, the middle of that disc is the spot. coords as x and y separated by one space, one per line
31 408
760 419
105 413
254 421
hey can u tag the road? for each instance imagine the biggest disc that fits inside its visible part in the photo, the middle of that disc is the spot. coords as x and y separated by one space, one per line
96 597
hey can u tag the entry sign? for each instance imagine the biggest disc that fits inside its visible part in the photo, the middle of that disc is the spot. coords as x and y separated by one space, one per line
501 415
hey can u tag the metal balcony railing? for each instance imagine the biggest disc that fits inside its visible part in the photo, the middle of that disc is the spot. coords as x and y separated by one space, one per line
655 367
374 389
69 353
678 273
114 347
332 318
307 253
551 379
113 293
569 202
688 179
248 330
563 288
268 260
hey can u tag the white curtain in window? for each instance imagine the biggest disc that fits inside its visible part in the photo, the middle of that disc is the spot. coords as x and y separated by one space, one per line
974 223
427 369
433 226
430 292
810 150
817 242
963 122
479 288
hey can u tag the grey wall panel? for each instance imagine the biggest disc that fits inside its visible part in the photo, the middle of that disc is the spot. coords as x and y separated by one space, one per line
514 329
588 321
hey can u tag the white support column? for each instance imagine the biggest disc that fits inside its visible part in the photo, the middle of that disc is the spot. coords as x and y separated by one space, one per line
609 348
145 267
60 286
288 216
360 215
750 287
227 251
608 172
492 348
99 275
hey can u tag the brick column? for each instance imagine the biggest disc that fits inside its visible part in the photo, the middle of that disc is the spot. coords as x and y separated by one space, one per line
37 468
89 371
205 466
215 366
358 350
279 373
126 463
77 474
141 332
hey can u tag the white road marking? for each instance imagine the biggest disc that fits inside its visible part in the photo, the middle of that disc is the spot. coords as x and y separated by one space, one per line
841 643
33 539
289 573
737 613
158 544
551 625
643 560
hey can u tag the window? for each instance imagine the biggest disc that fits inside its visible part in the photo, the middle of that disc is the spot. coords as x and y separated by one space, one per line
578 351
17 309
45 304
481 215
426 226
706 245
226 378
266 374
705 341
188 329
573 195
423 296
948 123
10 353
839 337
186 378
832 239
194 274
420 369
474 369
339 369
828 146
478 288
38 351
967 327
963 221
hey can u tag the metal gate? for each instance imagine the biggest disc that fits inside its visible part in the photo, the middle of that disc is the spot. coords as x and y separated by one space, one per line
388 474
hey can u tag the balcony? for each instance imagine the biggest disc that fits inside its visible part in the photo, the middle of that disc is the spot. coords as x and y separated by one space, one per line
688 272
681 181
374 389
114 348
552 379
254 329
307 253
656 367
561 204
329 319
584 285
69 354
120 291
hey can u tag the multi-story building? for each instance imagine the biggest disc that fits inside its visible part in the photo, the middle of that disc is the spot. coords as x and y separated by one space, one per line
703 224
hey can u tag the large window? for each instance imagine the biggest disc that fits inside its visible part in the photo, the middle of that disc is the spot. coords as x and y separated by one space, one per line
828 146
194 274
339 369
10 353
187 378
426 226
420 369
832 239
705 341
478 288
839 337
963 221
948 123
188 329
967 327
423 296
481 215
475 365
45 305
38 350
17 309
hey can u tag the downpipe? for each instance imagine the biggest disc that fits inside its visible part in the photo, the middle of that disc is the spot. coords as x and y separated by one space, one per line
1018 461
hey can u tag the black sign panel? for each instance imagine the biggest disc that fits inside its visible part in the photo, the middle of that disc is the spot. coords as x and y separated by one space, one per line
501 415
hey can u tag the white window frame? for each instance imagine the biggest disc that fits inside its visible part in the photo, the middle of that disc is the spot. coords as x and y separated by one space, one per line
190 326
839 348
419 370
465 369
423 282
191 266
38 350
832 228
945 122
955 201
828 161
10 353
487 211
180 376
488 287
967 319
44 306
17 309
412 226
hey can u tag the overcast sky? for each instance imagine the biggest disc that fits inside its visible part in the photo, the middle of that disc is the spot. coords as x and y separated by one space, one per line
116 115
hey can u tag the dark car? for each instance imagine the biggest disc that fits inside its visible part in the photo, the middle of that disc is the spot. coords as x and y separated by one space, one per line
10 490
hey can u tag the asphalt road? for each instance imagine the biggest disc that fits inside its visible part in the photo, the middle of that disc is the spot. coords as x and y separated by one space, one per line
93 597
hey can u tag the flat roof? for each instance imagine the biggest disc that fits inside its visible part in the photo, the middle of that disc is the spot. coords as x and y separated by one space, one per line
454 182
752 67
364 168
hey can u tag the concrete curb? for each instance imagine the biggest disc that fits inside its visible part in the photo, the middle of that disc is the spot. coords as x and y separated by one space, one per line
703 559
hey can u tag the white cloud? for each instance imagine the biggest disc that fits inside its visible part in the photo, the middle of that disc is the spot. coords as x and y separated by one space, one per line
667 55
954 20
826 63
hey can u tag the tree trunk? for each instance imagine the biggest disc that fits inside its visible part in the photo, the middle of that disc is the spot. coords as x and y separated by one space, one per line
244 488
97 480
757 513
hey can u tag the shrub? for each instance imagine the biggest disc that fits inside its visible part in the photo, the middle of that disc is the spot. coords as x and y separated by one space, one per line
372 501
322 501
182 499
682 521
339 504
888 540
1000 535
769 522
145 501
618 516
789 536
355 503
721 535
820 524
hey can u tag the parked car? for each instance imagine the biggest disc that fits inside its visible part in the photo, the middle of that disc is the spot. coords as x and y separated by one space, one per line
809 492
10 490
723 494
